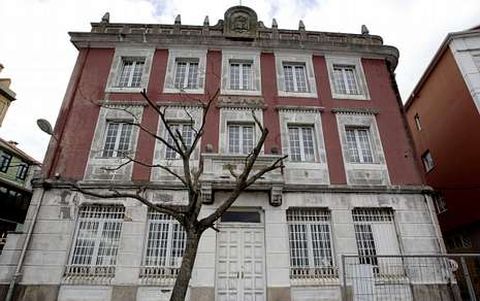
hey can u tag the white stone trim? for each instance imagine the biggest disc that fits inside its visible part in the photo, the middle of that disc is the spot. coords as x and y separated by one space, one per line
302 58
96 162
183 53
241 55
304 172
237 115
360 76
175 114
115 70
363 173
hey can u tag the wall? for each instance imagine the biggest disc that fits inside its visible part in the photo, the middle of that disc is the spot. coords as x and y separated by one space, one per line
448 118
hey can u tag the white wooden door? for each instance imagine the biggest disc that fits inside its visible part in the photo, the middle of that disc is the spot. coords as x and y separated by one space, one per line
240 264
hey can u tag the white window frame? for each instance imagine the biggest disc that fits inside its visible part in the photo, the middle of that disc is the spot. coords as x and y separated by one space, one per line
353 62
131 76
295 81
165 257
230 56
362 157
126 53
310 266
427 160
188 71
237 115
295 59
184 54
100 215
6 160
440 203
122 124
170 154
241 75
301 140
241 140
418 123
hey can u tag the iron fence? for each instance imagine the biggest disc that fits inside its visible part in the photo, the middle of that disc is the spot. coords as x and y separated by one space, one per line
450 277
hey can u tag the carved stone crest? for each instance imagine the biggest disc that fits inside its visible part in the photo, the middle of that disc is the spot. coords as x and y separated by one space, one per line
240 22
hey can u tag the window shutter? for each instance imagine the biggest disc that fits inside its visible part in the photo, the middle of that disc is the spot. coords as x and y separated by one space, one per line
201 72
225 73
386 243
280 77
169 76
256 74
311 76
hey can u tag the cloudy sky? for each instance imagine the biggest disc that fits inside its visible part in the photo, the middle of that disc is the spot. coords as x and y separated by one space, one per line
37 54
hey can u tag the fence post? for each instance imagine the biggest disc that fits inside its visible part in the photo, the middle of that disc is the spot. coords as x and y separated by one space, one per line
344 276
471 291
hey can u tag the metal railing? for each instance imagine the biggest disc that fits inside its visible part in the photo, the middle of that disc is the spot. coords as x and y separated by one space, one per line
88 274
161 276
446 277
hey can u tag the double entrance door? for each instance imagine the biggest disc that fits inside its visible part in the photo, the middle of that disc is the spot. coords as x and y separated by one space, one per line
240 262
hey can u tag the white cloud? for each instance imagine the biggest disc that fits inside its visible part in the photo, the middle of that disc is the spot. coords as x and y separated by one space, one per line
39 59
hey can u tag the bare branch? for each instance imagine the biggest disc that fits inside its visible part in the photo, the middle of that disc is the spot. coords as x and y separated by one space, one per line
275 165
115 194
206 108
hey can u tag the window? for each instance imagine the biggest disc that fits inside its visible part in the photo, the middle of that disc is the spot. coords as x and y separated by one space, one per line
240 138
186 74
375 235
310 242
96 241
358 145
295 77
427 160
301 143
476 60
22 171
187 135
440 203
117 140
345 80
165 245
417 122
241 75
131 73
5 160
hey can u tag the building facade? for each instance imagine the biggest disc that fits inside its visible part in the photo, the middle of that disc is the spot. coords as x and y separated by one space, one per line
350 184
16 171
6 96
449 91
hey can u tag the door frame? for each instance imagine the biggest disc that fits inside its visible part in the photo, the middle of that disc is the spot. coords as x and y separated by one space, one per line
245 225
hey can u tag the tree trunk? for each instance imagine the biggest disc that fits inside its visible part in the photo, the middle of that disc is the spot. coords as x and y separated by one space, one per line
185 273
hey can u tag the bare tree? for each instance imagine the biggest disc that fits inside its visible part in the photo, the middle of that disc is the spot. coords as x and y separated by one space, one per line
190 178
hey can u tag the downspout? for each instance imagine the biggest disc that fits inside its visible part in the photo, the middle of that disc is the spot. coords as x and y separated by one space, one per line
18 269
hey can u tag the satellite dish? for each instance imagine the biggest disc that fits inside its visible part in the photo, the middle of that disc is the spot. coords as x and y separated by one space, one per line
45 126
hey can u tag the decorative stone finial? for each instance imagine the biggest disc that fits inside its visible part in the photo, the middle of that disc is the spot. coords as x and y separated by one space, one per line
301 26
274 23
106 18
365 29
206 22
178 19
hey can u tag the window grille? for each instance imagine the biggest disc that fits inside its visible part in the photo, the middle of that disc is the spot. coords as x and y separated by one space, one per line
440 203
345 80
96 241
22 171
358 145
117 140
295 77
5 160
240 138
187 135
375 234
165 246
302 146
132 70
186 74
241 76
310 243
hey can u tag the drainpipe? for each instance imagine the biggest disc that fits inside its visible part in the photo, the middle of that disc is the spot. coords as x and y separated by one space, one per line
18 269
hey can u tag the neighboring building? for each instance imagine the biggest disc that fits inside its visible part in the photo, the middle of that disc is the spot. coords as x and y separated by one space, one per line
16 170
444 117
6 96
350 184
